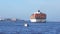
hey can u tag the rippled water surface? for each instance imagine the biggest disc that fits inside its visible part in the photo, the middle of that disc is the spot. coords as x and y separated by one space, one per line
9 27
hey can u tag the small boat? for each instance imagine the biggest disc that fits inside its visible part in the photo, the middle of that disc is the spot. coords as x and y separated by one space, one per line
25 24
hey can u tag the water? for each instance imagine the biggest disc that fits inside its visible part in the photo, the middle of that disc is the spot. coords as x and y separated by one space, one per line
9 27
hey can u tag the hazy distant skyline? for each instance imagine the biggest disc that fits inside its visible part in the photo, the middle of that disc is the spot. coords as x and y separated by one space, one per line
24 8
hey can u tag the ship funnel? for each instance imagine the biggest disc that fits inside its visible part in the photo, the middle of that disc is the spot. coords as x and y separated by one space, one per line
38 10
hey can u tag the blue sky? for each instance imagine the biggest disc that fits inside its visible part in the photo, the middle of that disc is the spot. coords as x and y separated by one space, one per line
22 9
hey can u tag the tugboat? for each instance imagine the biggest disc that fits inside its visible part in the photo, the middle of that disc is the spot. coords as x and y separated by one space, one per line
38 17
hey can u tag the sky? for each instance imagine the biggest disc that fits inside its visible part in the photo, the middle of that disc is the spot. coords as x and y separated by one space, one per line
22 9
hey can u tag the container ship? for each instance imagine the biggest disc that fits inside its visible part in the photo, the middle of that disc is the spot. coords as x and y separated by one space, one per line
38 17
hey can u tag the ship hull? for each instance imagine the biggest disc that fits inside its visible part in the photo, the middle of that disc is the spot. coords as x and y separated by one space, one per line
38 20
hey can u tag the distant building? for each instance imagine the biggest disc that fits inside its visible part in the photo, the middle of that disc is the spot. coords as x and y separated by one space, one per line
2 19
13 19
